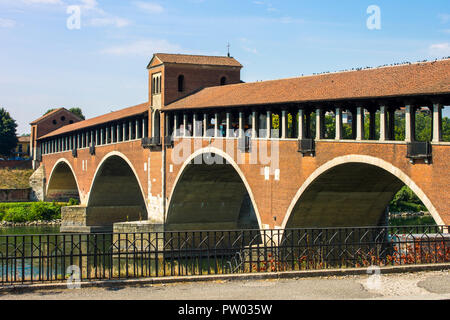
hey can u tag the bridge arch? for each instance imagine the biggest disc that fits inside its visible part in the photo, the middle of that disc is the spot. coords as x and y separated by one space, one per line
62 183
389 181
224 183
116 193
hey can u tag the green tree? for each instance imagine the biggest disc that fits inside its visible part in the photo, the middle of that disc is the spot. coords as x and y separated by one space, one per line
446 129
8 137
78 112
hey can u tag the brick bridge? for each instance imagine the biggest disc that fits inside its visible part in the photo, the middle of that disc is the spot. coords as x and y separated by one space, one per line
208 152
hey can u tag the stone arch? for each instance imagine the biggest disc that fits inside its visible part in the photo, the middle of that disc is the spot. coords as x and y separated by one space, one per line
116 194
62 182
244 211
373 166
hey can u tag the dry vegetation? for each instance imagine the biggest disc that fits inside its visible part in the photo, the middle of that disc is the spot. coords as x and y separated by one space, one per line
15 179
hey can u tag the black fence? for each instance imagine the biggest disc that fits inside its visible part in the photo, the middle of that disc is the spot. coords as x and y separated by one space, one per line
43 258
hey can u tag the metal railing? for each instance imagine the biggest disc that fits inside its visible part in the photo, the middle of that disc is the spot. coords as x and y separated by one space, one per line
43 258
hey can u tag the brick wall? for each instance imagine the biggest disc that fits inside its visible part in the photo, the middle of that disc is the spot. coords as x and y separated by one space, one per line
272 197
13 164
15 195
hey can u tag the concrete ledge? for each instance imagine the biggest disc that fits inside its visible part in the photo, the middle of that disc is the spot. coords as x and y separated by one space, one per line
85 229
231 277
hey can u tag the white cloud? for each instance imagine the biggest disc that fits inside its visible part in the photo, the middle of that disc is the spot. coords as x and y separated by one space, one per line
7 23
42 1
150 7
143 48
440 49
445 17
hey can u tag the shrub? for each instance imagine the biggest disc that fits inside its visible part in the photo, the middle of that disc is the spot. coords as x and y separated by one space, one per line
31 211
45 211
18 214
73 202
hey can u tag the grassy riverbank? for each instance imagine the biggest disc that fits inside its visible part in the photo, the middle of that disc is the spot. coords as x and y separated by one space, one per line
15 179
31 211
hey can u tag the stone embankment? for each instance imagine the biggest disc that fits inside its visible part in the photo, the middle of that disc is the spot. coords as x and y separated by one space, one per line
52 223
408 214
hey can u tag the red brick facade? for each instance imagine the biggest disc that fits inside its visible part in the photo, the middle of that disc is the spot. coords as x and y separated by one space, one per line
272 198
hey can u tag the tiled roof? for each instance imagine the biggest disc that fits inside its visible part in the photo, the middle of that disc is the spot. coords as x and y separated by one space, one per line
47 115
402 80
23 139
112 116
195 59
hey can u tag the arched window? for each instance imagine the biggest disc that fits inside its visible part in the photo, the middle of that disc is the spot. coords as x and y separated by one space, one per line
223 81
180 83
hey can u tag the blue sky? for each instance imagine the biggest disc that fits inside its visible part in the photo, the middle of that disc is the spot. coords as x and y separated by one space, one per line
101 67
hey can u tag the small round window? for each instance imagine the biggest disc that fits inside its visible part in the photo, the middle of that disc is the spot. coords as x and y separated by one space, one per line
63 118
54 122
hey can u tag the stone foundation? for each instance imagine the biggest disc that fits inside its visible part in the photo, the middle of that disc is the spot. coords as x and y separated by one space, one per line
97 219
37 184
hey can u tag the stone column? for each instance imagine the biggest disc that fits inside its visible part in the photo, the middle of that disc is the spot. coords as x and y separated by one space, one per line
137 129
185 133
269 124
175 125
107 134
92 137
130 130
241 124
228 119
437 122
283 124
383 124
216 124
205 125
410 125
339 126
194 127
359 123
319 124
254 124
144 132
301 124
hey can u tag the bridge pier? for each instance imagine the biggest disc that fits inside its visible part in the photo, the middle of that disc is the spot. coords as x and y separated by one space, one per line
98 219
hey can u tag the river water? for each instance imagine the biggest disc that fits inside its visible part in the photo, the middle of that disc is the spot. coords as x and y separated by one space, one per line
29 230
